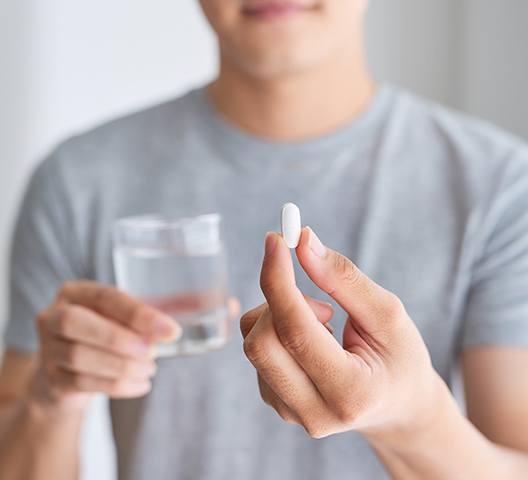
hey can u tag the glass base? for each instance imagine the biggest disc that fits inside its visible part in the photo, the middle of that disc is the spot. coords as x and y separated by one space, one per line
201 333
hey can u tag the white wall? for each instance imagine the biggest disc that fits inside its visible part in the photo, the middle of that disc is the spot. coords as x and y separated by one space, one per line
495 62
67 65
470 54
414 43
64 66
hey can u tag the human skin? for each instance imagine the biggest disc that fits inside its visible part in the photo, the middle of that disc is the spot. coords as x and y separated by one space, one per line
284 79
94 339
301 76
378 381
291 78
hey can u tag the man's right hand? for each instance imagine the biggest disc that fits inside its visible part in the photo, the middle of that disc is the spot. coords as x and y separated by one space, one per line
96 339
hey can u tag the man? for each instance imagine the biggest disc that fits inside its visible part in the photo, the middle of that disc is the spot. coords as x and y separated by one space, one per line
429 204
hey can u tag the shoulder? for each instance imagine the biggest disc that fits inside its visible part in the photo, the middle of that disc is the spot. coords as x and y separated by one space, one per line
470 138
122 141
473 153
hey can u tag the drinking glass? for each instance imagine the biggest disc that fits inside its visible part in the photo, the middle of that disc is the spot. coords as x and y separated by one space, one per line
178 266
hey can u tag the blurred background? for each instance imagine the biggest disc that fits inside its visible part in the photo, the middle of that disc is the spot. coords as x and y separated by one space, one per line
66 66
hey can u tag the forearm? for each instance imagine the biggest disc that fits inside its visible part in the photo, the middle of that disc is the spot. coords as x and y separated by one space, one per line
448 448
36 444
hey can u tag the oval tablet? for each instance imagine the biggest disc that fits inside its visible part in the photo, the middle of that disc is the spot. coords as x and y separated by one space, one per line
291 224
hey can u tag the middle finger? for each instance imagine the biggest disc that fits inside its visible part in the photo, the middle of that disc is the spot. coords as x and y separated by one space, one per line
79 358
281 372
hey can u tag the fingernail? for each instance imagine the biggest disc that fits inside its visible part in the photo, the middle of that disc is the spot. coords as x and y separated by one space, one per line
270 243
141 348
151 369
315 244
147 369
137 388
166 327
152 351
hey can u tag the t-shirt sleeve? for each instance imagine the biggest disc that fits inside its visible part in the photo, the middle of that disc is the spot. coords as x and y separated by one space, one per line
43 253
497 305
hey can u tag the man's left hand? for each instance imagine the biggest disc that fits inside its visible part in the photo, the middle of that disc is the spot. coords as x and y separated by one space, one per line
378 381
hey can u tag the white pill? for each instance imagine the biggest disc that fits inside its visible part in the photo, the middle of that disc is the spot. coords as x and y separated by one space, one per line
291 224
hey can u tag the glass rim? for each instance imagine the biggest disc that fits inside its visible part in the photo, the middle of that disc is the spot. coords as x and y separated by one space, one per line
154 221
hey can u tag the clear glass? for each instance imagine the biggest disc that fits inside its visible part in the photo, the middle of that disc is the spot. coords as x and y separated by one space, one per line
180 267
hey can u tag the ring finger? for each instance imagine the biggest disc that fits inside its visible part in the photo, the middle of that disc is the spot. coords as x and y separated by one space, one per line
79 358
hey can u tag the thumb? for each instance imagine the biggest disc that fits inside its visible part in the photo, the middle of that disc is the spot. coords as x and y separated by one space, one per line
369 305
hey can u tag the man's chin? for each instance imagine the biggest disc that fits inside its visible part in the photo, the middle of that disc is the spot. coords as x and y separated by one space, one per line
270 65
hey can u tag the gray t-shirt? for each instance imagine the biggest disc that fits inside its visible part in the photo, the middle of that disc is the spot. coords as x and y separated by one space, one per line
429 203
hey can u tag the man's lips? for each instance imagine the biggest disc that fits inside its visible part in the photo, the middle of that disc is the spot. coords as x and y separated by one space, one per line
274 10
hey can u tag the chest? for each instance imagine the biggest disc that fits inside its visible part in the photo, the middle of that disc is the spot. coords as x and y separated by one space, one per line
398 240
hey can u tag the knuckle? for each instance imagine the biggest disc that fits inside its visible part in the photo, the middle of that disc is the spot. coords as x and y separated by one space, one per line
315 431
255 350
346 416
264 391
113 387
110 339
244 326
394 307
64 319
73 356
116 388
41 319
269 400
65 290
105 295
268 285
293 338
140 311
246 317
388 314
286 415
134 313
78 382
246 322
345 413
125 368
346 271
48 368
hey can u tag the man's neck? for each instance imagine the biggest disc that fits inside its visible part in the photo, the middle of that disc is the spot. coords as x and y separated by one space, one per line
295 107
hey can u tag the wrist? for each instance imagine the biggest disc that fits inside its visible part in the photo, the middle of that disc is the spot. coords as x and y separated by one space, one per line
42 413
422 421
33 431
42 403
419 448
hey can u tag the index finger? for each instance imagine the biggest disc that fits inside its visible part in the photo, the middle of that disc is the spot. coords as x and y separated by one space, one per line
299 330
78 324
117 305
370 306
